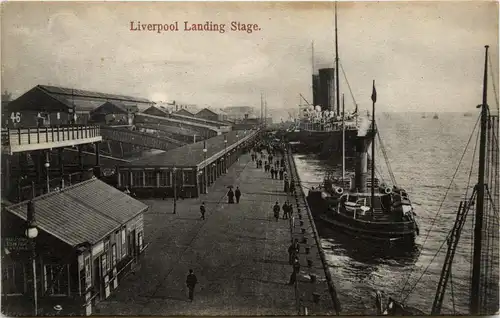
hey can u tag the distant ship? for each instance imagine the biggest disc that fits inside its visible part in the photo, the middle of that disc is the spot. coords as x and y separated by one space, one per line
322 128
435 116
467 114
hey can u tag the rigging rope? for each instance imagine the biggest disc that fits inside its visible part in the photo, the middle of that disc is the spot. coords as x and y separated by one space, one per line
386 157
436 254
348 86
405 284
493 82
452 293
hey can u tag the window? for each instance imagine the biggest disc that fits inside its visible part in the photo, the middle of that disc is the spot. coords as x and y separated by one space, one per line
55 278
139 240
150 178
107 264
137 180
88 272
125 178
164 179
118 245
13 279
188 177
124 242
113 255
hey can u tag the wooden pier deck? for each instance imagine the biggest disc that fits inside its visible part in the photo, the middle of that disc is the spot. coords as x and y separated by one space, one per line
239 254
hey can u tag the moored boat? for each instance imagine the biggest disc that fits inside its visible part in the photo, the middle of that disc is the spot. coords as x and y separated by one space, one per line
365 207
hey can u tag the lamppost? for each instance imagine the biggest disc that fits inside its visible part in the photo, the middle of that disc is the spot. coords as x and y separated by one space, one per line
225 154
47 166
174 170
19 184
206 169
31 233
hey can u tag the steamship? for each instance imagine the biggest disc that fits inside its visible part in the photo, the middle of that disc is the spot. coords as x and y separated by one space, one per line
322 124
361 207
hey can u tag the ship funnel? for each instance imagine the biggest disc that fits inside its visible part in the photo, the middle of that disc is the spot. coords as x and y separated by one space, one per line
362 144
326 83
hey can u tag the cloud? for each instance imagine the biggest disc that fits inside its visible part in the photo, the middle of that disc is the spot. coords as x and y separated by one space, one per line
424 56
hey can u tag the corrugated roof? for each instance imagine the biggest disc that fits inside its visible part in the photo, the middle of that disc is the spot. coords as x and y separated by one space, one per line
85 212
190 155
82 93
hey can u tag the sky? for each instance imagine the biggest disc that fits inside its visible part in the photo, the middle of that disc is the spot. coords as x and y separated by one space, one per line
424 56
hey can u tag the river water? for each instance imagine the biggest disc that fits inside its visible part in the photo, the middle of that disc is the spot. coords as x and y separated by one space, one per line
423 154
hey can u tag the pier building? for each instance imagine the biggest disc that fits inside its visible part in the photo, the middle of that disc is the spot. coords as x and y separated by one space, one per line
187 170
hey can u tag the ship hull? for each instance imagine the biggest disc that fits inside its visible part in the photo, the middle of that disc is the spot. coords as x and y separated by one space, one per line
398 232
324 143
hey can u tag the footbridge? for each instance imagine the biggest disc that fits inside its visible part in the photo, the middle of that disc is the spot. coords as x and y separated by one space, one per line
178 133
139 138
203 129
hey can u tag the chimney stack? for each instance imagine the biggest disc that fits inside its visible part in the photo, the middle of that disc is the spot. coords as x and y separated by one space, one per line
326 88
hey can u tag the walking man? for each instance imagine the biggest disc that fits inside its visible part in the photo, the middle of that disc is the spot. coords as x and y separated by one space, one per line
202 210
276 210
237 194
191 282
296 270
230 196
285 210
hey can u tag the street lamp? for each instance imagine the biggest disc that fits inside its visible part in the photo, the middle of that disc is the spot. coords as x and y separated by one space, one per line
206 169
31 233
174 170
47 166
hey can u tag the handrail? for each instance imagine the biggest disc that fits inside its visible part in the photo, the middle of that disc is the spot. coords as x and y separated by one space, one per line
39 135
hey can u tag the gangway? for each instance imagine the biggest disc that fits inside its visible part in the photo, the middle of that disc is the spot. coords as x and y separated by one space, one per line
139 139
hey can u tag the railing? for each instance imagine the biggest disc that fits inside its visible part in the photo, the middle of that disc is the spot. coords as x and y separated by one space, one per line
38 135
27 191
143 139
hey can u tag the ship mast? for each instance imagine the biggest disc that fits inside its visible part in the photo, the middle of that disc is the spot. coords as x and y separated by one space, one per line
374 100
343 141
337 63
475 306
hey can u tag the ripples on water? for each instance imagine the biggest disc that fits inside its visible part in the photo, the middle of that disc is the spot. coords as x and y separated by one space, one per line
423 154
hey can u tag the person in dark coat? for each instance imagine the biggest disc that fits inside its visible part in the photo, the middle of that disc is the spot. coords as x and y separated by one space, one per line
292 253
191 282
286 186
272 172
237 194
202 210
285 210
230 196
276 210
296 270
292 186
281 174
290 209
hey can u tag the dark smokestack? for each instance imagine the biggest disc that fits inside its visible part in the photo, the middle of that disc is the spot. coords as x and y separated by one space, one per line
362 144
327 88
316 90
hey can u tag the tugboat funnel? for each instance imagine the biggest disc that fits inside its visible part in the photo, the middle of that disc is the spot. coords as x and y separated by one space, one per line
362 145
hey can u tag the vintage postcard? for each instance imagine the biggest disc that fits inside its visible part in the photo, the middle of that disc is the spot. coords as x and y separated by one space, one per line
249 158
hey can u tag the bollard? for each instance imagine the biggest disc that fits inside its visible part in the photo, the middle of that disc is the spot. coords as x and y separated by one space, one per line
309 262
315 298
313 278
308 249
303 230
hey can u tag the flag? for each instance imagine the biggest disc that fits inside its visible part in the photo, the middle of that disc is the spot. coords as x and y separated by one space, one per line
374 93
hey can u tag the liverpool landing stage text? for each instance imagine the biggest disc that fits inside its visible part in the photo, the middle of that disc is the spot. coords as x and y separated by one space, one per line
187 26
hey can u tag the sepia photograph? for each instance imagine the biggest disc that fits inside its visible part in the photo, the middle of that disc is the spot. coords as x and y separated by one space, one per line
287 158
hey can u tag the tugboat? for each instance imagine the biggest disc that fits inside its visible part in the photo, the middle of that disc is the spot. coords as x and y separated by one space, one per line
361 207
